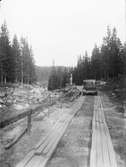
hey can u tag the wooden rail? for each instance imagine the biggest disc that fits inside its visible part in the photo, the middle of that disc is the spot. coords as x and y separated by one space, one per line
39 156
24 114
102 151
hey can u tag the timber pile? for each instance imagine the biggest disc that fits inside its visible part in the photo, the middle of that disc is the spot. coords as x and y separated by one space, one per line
72 93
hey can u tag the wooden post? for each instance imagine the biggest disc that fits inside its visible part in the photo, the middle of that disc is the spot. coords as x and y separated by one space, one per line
29 122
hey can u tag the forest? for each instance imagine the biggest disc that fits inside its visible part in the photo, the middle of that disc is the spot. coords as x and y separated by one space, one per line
107 62
16 59
17 65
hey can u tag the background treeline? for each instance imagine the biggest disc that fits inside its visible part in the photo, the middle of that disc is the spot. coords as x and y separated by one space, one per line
16 59
58 78
107 62
43 74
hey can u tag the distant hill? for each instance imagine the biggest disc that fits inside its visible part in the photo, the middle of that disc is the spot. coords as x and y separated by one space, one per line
43 74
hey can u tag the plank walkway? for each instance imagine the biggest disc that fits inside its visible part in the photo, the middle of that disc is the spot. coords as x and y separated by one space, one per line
102 151
39 156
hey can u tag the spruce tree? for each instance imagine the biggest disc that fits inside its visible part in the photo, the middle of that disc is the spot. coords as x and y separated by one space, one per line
6 63
17 59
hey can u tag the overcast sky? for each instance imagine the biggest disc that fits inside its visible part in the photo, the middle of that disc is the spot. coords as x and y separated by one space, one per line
61 30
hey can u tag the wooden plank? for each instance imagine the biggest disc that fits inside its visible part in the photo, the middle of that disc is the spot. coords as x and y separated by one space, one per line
50 131
51 135
110 146
46 146
59 135
105 154
101 141
50 148
29 156
54 145
42 161
94 139
48 142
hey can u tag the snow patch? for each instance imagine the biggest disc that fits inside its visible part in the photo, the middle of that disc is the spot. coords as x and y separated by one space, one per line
11 134
21 106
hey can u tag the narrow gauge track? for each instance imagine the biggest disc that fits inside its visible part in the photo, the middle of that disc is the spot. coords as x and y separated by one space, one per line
42 152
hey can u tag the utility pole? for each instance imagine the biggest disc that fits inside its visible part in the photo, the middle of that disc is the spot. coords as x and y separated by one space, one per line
71 79
53 63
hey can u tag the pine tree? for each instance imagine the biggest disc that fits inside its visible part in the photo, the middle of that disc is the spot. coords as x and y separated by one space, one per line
27 63
96 63
17 59
111 55
5 55
58 78
32 74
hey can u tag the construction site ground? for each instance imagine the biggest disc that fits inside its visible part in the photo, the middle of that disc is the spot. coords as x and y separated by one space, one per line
74 147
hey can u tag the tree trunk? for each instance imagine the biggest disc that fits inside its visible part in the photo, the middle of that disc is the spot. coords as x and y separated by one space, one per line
5 80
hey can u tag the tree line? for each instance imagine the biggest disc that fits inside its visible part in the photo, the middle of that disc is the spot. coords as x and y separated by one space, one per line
107 62
16 59
58 78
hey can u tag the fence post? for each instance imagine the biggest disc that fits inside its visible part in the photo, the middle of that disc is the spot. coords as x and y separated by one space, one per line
29 122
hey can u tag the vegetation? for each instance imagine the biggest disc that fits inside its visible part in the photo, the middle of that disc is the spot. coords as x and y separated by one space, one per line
43 74
16 59
58 78
107 62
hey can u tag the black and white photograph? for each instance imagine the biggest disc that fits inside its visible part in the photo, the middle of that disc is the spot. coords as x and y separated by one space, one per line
63 83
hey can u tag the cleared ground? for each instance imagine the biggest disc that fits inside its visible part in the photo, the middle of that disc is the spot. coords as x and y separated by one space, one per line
74 147
41 124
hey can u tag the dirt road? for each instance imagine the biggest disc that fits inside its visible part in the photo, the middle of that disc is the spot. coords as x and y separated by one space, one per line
74 148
